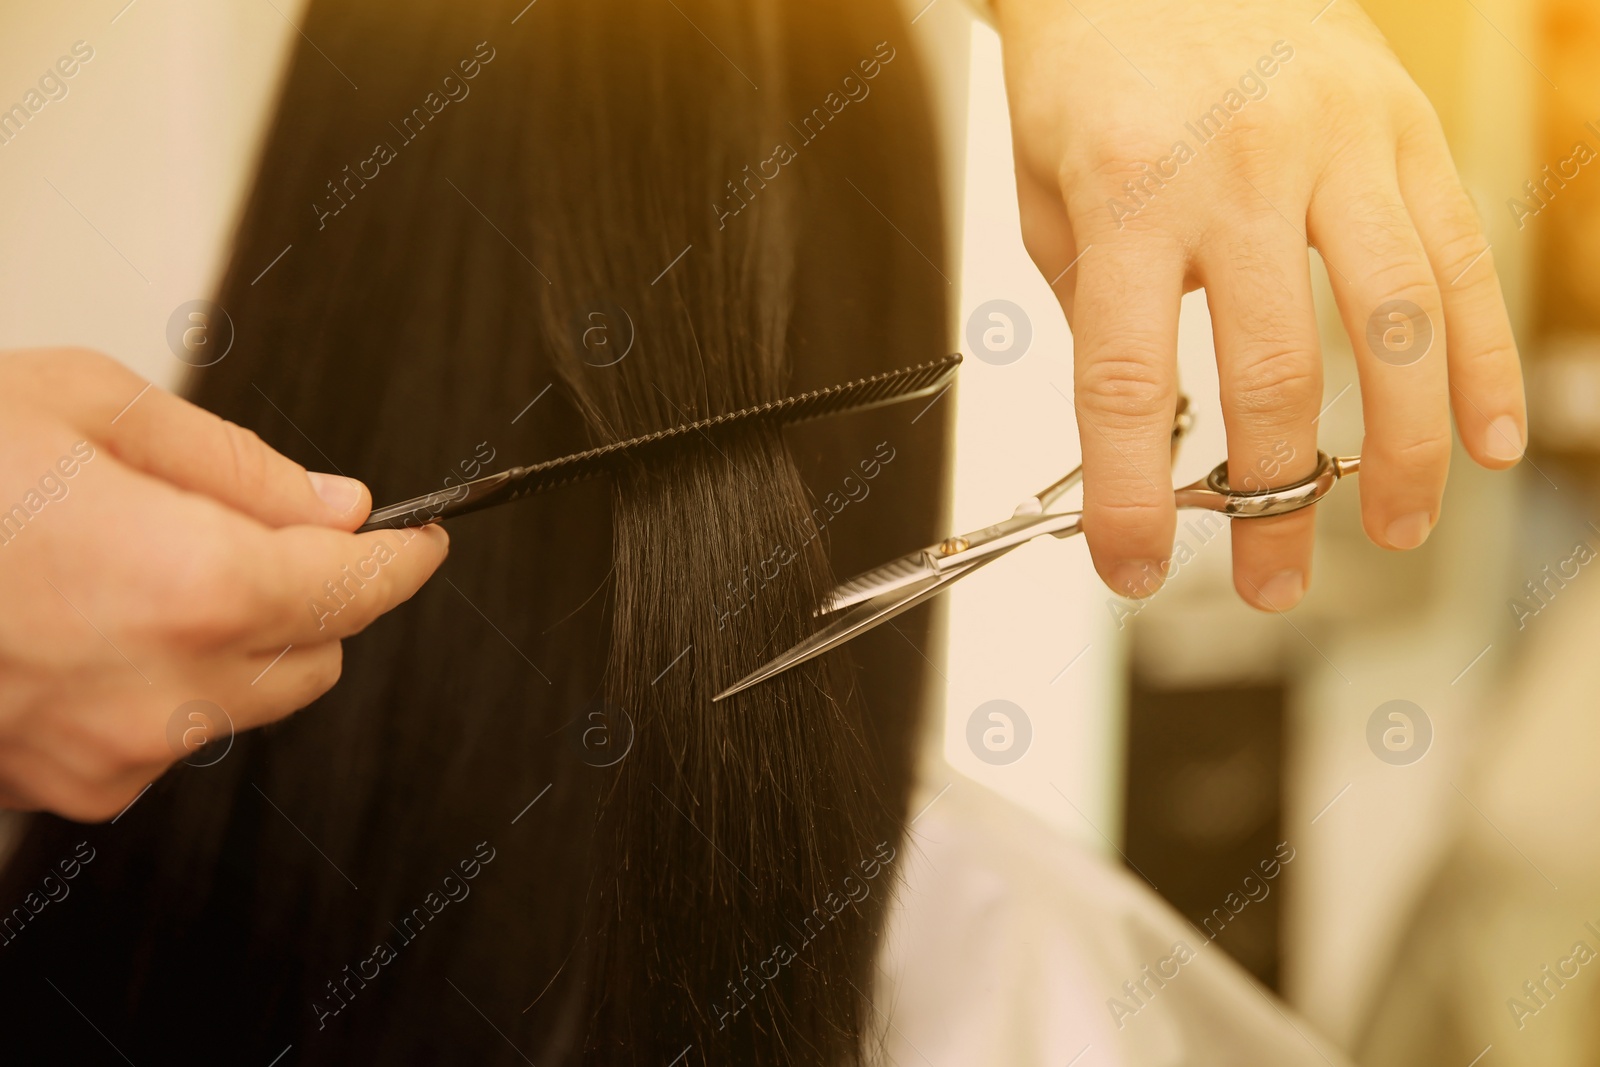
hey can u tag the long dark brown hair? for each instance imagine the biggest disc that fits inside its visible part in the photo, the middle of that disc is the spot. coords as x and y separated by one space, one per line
519 830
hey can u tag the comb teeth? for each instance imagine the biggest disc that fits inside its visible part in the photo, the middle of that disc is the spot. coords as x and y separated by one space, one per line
890 387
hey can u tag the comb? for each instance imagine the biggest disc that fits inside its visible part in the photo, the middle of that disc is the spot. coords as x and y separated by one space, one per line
877 390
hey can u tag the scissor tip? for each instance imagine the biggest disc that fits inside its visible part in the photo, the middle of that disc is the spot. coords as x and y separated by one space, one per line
742 684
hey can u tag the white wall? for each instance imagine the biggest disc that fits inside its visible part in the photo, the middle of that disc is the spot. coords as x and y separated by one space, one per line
148 155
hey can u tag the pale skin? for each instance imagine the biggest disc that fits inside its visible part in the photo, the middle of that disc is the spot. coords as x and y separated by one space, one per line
183 559
176 564
1340 152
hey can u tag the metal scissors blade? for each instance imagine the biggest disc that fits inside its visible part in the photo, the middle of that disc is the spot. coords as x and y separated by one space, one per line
884 592
924 563
953 553
854 621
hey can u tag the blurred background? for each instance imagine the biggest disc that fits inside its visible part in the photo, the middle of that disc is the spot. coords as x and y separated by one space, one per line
1420 731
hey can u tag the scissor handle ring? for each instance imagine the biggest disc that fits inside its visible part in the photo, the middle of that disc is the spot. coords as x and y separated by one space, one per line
1215 494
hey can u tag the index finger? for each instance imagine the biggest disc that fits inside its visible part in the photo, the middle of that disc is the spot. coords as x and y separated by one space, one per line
325 585
1125 342
187 446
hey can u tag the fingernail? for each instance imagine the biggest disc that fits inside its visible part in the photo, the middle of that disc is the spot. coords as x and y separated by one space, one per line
1409 531
339 493
1283 590
1503 440
1138 578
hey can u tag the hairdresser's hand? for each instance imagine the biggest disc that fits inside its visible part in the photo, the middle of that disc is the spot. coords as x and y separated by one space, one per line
1163 145
151 555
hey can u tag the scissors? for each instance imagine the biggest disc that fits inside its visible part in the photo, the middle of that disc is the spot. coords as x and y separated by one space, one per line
878 595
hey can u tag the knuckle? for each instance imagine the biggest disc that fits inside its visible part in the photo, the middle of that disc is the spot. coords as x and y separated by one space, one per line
1415 121
247 456
77 361
102 803
1129 508
144 753
1272 379
303 679
1379 221
319 673
1128 515
1125 190
1493 359
135 742
210 599
1111 157
113 382
91 805
1424 452
1121 387
73 371
1036 244
91 360
295 581
1463 250
113 756
1255 153
1403 278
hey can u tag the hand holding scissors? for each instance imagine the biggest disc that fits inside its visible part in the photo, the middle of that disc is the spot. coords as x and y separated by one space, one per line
870 599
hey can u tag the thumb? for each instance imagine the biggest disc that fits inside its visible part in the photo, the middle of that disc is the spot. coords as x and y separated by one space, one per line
166 436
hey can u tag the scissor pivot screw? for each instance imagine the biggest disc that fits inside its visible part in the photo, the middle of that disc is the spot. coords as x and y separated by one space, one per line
951 545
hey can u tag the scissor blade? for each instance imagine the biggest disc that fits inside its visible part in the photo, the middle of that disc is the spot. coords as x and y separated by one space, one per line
854 622
955 552
906 571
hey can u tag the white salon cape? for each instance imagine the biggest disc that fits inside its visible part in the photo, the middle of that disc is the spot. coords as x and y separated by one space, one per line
1007 940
